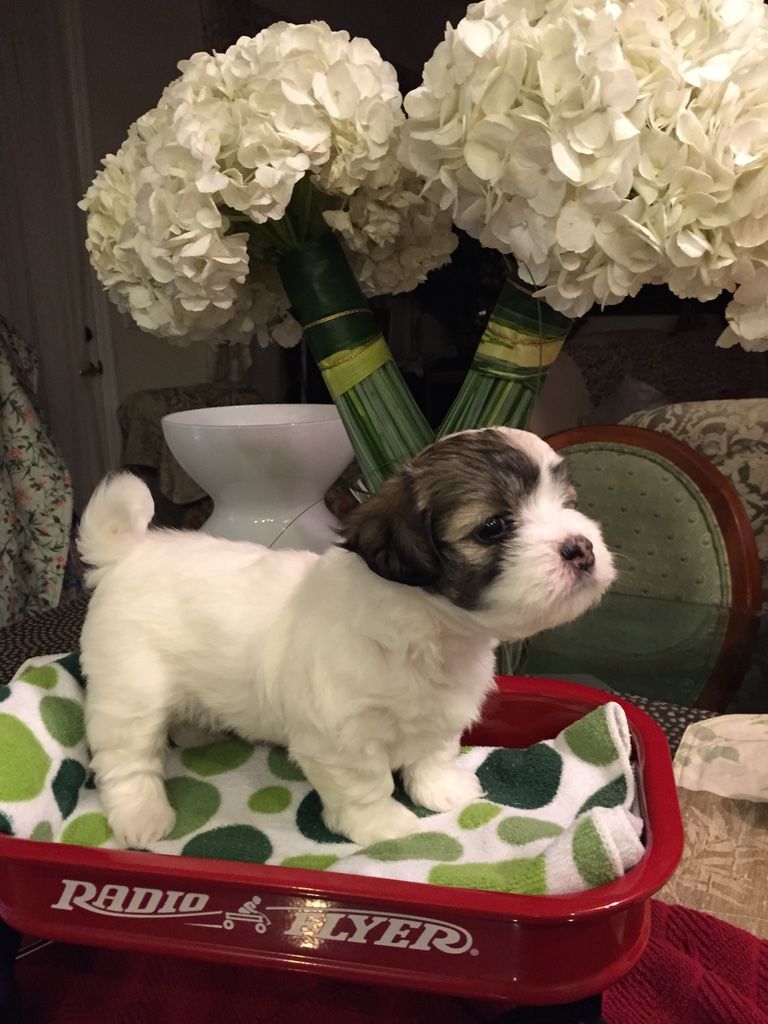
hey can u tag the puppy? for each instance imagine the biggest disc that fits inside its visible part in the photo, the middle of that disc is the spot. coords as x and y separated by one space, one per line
371 658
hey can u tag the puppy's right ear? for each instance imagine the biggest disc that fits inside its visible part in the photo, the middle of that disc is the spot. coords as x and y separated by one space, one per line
393 536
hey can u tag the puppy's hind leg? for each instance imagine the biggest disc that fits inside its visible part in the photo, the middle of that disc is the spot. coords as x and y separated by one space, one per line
356 793
127 730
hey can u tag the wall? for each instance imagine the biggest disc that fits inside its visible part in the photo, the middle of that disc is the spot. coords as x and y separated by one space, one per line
131 53
45 281
404 32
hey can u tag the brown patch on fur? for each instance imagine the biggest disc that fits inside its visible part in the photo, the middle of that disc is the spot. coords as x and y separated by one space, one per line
419 528
392 534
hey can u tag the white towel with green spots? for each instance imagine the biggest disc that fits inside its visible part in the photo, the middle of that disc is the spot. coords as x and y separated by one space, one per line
557 817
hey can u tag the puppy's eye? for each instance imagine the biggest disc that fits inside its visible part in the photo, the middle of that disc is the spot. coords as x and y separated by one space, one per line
491 530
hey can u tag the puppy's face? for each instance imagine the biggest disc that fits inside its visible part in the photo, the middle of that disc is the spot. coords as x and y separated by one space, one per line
487 520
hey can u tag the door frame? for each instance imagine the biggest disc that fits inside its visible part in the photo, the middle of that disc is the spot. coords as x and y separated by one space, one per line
102 343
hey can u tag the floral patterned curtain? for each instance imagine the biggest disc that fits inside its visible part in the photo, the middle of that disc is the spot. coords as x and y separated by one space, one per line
35 490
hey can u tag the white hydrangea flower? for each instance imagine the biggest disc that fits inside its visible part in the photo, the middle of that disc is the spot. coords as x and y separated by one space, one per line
293 99
606 145
393 235
227 143
747 315
162 249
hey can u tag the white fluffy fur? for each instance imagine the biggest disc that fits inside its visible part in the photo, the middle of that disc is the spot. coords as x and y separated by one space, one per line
356 675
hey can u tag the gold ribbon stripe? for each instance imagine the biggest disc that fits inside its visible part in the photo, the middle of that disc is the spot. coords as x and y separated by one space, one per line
521 349
502 329
343 370
334 316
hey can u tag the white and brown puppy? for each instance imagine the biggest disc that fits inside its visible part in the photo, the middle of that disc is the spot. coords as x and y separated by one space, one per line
369 659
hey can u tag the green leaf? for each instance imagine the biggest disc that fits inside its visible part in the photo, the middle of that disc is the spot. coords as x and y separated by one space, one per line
590 856
613 794
723 751
90 829
63 718
44 676
312 861
420 846
231 842
590 738
217 758
67 784
521 778
478 814
270 800
526 875
309 821
24 763
281 765
194 802
42 832
703 732
521 830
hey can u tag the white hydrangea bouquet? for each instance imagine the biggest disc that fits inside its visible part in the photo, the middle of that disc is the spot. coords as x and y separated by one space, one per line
238 205
603 145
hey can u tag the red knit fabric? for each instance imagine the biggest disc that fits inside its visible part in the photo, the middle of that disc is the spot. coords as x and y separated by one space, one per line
695 970
77 985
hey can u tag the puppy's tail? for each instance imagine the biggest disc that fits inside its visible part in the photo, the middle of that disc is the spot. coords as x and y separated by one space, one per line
115 521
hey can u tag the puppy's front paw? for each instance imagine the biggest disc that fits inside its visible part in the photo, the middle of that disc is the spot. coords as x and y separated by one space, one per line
141 814
445 789
373 823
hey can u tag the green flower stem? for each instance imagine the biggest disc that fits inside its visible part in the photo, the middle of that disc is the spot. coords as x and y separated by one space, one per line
280 232
384 423
303 200
521 341
291 235
266 238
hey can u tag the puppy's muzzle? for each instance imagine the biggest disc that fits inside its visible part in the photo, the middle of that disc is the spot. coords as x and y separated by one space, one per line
579 552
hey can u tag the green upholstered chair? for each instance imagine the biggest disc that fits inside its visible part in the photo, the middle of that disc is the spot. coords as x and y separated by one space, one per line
733 434
679 622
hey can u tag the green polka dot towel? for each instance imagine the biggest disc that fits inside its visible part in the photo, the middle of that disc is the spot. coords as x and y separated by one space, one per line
557 817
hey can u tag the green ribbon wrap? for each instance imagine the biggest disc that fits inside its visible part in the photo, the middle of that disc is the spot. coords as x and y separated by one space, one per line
522 340
523 337
325 297
382 419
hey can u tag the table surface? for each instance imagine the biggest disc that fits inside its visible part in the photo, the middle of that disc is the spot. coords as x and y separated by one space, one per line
662 650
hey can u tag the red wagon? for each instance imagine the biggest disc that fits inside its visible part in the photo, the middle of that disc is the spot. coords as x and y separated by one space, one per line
522 949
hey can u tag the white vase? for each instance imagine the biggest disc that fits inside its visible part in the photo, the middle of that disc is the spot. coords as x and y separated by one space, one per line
266 467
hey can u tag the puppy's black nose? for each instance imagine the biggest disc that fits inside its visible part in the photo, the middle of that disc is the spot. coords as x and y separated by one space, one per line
579 552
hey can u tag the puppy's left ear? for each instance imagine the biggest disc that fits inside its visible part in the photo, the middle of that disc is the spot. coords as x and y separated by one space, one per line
393 536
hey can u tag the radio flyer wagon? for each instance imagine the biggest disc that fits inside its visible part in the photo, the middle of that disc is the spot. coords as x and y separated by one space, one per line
487 945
